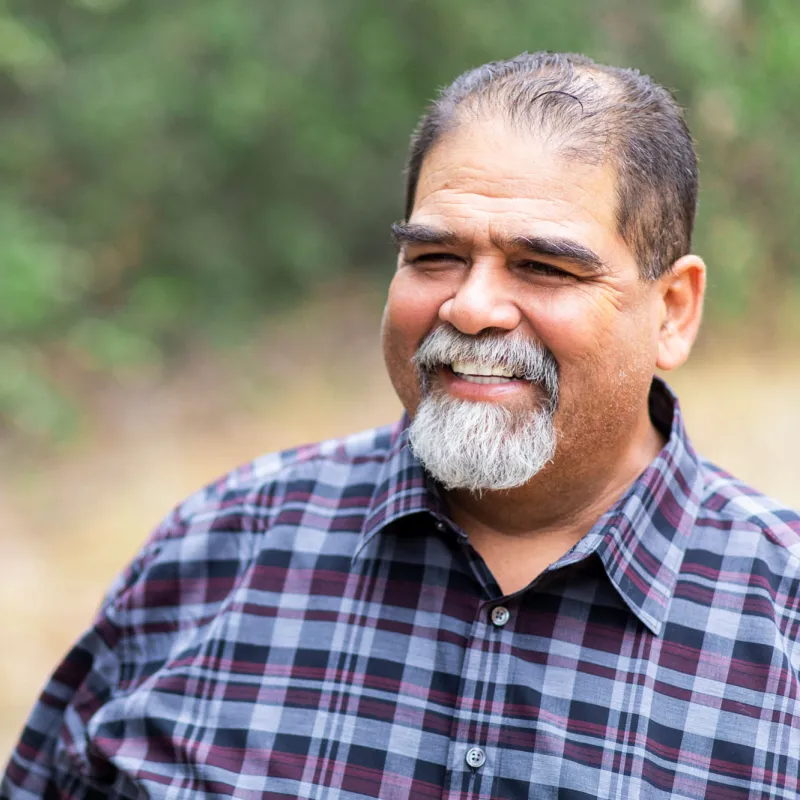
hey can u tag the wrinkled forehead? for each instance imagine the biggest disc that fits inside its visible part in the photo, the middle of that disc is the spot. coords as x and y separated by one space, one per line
486 175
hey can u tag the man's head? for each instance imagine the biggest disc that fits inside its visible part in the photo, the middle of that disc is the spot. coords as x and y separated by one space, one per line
550 203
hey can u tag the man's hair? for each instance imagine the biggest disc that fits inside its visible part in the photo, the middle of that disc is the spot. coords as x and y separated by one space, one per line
593 113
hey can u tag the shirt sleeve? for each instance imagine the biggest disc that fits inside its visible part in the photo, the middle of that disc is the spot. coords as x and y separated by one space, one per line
52 758
55 756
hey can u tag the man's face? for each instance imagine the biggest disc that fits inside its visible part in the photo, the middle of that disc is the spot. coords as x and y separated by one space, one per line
508 238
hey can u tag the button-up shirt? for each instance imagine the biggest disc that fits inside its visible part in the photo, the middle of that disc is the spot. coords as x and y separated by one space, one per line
315 626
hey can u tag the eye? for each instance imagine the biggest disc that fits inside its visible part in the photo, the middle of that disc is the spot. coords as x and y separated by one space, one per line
436 258
541 268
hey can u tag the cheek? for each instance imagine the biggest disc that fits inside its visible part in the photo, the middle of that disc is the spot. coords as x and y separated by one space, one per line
412 311
598 339
575 324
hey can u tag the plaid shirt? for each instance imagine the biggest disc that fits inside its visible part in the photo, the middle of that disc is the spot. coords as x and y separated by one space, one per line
315 626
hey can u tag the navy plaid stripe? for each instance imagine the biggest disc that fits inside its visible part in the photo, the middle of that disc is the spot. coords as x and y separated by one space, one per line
313 626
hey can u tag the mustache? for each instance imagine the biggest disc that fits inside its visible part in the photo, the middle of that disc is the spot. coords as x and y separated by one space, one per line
526 358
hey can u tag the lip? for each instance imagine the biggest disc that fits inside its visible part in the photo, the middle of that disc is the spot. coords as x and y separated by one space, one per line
465 390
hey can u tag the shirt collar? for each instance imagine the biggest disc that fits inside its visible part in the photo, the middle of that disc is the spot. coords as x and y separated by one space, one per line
641 540
402 488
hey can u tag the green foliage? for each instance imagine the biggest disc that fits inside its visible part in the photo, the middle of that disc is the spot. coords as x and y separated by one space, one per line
174 170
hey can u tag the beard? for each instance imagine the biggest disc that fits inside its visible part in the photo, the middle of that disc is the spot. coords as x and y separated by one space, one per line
483 446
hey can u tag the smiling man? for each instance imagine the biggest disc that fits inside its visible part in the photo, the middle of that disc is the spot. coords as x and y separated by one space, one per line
529 587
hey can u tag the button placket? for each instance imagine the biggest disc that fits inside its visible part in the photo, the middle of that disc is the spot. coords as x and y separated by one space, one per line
485 662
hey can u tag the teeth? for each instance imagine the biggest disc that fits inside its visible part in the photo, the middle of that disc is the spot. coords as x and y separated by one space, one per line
472 368
484 378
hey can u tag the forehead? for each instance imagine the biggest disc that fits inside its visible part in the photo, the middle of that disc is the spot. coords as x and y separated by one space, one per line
485 178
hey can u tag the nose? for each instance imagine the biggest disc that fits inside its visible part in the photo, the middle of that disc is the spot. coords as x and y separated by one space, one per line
483 300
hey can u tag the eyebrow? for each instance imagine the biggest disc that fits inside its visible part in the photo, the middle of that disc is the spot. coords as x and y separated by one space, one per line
405 233
557 247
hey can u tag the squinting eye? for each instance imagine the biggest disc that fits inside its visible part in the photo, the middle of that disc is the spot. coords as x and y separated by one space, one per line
434 257
544 269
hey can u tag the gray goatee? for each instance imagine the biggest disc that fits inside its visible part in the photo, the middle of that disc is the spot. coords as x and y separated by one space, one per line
483 446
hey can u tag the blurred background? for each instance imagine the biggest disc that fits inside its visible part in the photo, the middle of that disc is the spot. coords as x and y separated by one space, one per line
194 213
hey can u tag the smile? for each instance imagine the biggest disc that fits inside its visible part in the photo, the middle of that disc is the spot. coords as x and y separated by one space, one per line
473 372
479 382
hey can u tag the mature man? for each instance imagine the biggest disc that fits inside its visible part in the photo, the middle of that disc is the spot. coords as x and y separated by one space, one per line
531 586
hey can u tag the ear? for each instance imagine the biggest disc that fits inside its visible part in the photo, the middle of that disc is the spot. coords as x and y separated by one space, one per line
682 291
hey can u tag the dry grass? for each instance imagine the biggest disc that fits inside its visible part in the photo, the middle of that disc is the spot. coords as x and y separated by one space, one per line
70 521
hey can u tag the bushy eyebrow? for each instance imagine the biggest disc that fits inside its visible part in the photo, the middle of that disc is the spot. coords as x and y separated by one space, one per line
405 233
558 247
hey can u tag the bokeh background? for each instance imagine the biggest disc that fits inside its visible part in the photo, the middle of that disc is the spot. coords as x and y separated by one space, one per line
194 212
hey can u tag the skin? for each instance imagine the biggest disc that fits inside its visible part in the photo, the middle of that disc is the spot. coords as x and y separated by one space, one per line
608 329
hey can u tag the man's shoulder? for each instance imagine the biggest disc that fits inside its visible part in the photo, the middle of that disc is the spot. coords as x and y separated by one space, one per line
324 468
355 455
327 480
730 503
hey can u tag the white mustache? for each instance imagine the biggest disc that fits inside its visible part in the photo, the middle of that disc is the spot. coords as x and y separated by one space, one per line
524 357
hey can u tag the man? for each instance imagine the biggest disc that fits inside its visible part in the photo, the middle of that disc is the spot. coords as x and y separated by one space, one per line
531 586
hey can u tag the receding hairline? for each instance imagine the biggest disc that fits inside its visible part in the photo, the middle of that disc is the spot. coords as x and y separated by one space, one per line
491 104
569 146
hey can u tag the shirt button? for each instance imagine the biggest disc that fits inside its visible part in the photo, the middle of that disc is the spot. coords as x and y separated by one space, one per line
500 615
476 757
439 526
